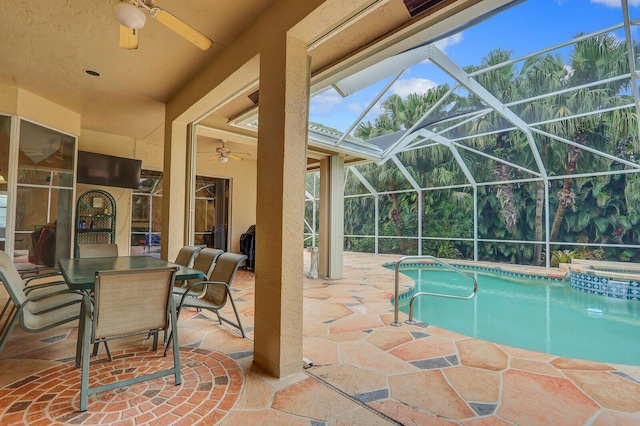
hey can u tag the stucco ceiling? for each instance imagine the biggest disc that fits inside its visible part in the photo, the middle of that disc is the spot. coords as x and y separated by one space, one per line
47 44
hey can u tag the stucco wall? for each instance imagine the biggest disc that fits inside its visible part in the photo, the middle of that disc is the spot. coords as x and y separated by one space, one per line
241 173
243 192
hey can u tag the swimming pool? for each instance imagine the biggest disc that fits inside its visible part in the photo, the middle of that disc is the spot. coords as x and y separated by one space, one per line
536 314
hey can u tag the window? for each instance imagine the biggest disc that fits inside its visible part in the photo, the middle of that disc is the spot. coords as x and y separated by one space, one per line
146 215
44 195
211 212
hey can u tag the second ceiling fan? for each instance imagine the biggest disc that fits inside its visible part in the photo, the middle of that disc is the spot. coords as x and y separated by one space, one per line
130 14
223 154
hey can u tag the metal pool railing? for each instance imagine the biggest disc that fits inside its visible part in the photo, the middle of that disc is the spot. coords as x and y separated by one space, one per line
395 322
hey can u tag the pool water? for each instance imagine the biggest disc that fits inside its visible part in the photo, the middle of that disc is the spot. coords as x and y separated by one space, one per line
535 314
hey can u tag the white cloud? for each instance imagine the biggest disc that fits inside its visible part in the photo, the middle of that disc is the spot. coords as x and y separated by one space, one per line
355 108
325 103
412 85
615 3
450 41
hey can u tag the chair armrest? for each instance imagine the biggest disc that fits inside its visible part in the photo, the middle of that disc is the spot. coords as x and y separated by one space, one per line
28 280
39 272
50 284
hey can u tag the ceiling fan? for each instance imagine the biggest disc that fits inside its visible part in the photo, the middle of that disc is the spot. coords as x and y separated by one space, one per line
224 153
130 14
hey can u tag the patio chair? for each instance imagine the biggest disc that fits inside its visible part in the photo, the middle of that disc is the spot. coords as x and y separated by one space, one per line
217 290
126 303
36 308
205 261
186 255
97 250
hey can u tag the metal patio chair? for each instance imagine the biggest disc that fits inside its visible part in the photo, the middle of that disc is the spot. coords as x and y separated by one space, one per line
126 303
216 291
205 261
186 255
37 307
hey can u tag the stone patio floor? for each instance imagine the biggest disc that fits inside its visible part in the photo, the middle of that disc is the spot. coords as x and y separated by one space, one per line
365 371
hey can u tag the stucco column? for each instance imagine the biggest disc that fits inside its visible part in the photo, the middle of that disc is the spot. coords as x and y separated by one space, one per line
331 217
282 146
175 190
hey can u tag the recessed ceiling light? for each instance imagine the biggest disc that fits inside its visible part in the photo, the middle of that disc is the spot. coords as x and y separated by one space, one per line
92 73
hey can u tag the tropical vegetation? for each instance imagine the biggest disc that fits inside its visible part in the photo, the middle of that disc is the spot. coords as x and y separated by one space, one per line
581 119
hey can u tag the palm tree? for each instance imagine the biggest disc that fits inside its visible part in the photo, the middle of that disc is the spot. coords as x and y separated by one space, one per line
593 59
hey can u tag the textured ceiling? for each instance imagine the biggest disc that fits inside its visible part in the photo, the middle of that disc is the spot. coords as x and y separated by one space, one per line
46 45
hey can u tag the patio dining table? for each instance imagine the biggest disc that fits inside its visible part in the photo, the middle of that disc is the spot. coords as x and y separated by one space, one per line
80 274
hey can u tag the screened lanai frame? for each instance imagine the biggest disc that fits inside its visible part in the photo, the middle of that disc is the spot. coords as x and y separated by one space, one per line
422 135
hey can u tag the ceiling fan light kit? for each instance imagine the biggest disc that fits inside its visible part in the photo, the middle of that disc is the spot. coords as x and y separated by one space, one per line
130 14
223 159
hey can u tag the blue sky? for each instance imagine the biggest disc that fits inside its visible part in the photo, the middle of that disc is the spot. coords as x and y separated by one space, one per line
525 28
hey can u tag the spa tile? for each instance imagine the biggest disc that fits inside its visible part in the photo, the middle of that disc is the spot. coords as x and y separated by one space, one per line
539 367
435 347
310 398
535 399
474 384
350 379
612 418
321 351
482 354
409 416
388 339
262 417
577 364
610 390
355 322
363 355
430 391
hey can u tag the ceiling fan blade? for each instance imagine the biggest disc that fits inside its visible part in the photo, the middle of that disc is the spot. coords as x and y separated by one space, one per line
214 157
128 38
181 28
234 157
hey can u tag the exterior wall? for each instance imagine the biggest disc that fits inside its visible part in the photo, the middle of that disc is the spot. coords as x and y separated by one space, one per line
241 173
120 146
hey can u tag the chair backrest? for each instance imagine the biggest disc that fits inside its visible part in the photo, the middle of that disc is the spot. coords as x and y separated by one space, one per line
132 301
224 271
10 276
205 261
186 255
97 250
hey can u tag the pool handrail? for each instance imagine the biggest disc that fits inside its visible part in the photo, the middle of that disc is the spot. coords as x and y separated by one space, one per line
395 322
